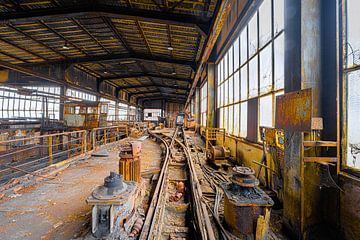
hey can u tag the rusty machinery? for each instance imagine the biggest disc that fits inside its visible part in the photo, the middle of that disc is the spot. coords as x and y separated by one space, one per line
244 202
113 207
129 163
216 154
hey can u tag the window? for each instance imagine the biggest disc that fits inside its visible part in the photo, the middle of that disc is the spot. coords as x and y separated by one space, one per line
252 69
78 95
37 102
111 116
152 114
203 104
123 111
351 84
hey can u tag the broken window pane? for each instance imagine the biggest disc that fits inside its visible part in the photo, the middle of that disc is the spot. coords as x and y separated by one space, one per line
243 120
266 111
231 90
279 62
243 46
244 83
236 87
353 121
231 60
266 70
278 16
236 119
264 23
253 42
253 77
353 33
231 115
236 54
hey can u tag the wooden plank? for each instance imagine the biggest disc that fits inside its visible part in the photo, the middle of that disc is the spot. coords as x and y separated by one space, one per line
320 144
320 159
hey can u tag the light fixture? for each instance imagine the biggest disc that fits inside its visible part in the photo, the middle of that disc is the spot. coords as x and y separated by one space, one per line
66 46
170 48
128 62
173 73
105 72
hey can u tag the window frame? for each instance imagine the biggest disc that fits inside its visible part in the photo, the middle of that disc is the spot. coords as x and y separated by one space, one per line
344 72
243 32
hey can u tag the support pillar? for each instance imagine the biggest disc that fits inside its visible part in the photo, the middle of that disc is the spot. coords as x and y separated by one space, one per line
211 103
197 107
302 70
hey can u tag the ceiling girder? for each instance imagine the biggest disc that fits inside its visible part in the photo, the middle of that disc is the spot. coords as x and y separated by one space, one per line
114 57
201 23
141 75
153 85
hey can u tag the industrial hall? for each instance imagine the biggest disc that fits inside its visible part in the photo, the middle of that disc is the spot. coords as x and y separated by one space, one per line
180 119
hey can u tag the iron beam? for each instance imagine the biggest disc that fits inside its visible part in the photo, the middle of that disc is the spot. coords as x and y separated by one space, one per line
189 80
115 57
109 11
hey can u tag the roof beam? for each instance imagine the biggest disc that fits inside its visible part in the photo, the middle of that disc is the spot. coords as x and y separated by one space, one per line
110 11
154 85
114 57
162 93
141 75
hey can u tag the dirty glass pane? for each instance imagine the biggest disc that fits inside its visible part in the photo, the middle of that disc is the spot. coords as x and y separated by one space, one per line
243 120
353 33
244 83
236 119
265 111
236 54
236 87
231 60
253 77
353 120
253 42
278 16
231 120
266 70
226 92
226 66
226 119
231 90
243 46
218 69
221 123
279 62
264 22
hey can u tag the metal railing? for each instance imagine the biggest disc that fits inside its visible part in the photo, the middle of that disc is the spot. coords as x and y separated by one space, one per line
25 155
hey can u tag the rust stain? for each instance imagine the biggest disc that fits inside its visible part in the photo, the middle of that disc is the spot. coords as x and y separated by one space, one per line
294 111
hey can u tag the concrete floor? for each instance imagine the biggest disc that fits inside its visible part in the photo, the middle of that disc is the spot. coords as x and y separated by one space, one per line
56 208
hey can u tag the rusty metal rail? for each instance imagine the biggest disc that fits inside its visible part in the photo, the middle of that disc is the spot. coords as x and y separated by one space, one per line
166 206
25 155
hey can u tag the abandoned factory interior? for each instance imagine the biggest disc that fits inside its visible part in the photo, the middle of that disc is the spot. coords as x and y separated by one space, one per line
180 119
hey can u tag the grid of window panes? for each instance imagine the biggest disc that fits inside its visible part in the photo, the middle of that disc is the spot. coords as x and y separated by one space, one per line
123 111
253 67
152 114
17 105
351 81
132 113
203 104
80 95
111 108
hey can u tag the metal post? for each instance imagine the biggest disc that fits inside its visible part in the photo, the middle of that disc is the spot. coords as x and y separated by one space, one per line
211 102
50 152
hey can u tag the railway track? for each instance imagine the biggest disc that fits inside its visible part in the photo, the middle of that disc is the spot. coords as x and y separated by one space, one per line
176 210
